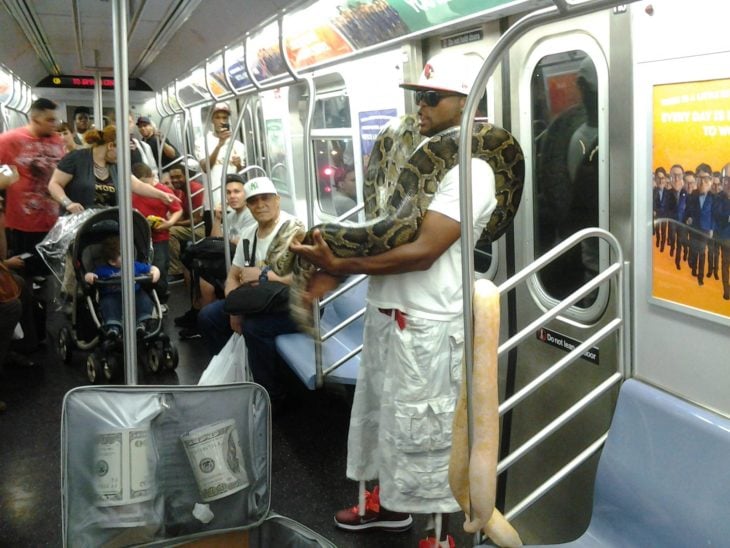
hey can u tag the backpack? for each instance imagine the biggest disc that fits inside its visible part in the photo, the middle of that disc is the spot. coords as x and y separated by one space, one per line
206 259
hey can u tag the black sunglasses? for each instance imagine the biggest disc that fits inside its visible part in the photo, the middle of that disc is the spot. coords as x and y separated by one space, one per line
431 98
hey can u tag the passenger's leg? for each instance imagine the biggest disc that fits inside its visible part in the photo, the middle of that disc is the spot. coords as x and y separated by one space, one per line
214 325
29 342
260 332
178 235
161 260
110 306
9 316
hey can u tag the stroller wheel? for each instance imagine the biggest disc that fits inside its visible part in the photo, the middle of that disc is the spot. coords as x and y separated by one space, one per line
170 358
94 368
110 367
154 359
63 345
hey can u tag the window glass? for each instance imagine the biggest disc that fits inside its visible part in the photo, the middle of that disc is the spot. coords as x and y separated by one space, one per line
335 173
565 136
332 112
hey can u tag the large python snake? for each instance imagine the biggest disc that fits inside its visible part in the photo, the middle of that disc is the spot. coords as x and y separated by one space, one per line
400 181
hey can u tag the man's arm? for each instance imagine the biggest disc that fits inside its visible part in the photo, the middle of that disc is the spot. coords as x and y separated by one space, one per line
8 175
435 236
233 280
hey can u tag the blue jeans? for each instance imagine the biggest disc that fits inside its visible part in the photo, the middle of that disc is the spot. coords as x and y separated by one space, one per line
260 332
161 259
110 305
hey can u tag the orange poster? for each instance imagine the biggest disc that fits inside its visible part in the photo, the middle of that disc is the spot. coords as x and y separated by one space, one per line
690 189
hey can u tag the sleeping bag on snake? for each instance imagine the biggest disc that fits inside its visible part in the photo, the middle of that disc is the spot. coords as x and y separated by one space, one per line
400 181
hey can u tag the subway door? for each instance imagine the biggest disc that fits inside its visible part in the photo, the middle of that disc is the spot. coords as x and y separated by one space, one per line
279 125
559 93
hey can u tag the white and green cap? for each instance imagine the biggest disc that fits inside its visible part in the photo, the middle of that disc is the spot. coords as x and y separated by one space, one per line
259 185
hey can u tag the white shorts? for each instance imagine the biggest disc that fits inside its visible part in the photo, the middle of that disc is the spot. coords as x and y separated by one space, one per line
400 426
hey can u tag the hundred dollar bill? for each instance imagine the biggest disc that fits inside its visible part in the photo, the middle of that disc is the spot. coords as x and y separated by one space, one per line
215 457
108 477
128 515
141 478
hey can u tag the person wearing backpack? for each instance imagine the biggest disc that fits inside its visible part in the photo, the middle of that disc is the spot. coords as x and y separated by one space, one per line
205 261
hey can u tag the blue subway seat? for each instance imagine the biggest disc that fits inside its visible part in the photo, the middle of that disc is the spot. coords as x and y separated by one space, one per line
297 349
663 477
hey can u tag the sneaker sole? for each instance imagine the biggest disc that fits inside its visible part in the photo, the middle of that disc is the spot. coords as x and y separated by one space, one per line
391 526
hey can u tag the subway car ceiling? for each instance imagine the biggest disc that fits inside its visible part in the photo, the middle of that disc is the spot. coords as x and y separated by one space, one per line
43 41
42 38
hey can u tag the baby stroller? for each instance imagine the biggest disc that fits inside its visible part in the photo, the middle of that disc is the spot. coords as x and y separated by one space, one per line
85 331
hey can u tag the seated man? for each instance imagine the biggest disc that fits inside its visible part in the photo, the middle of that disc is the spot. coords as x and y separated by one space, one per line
260 330
182 231
208 283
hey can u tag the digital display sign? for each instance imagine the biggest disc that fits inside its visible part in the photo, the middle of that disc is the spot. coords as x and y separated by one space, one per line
65 81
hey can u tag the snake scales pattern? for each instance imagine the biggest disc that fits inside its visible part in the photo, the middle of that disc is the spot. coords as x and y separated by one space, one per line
400 181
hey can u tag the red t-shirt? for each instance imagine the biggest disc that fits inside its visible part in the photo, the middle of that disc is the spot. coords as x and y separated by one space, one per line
28 206
197 198
152 206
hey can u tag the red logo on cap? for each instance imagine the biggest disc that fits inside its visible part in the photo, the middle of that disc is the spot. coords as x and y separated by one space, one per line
428 71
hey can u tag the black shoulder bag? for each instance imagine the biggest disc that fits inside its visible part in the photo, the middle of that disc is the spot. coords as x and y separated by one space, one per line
266 297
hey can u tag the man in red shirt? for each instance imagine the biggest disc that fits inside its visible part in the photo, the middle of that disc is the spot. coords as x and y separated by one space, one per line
183 230
33 150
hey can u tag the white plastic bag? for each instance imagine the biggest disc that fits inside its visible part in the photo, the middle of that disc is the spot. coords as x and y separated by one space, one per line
229 365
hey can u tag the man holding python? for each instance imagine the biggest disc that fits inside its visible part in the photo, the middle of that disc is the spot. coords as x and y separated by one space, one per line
410 371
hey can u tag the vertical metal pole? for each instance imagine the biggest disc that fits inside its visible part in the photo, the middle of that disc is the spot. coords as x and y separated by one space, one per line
124 193
98 102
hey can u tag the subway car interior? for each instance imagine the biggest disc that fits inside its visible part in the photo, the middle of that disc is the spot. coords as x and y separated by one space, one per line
612 269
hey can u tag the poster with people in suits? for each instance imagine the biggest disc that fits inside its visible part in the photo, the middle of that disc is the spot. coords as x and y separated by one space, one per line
690 189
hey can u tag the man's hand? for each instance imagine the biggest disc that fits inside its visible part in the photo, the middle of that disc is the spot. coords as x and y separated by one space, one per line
249 275
319 285
169 198
15 263
319 253
236 161
236 324
90 277
155 273
8 175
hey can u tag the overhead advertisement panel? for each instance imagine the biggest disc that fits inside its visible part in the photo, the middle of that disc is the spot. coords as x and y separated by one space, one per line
236 68
335 28
310 39
264 54
192 89
216 78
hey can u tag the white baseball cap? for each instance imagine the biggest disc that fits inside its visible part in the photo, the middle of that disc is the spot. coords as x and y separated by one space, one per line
259 185
446 71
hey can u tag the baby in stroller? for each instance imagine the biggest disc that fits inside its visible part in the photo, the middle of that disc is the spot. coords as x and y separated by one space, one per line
96 309
110 296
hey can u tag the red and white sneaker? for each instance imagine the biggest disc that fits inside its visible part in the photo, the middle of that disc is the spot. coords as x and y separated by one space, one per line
431 542
375 517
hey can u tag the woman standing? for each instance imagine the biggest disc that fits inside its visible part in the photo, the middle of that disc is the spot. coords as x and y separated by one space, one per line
67 134
87 177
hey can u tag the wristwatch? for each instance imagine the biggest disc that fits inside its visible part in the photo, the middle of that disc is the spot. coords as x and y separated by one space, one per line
66 202
264 276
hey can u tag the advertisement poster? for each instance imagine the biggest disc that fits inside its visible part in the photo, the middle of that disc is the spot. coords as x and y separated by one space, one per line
370 123
690 188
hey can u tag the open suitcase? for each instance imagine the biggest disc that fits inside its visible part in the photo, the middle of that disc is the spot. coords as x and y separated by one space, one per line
171 466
